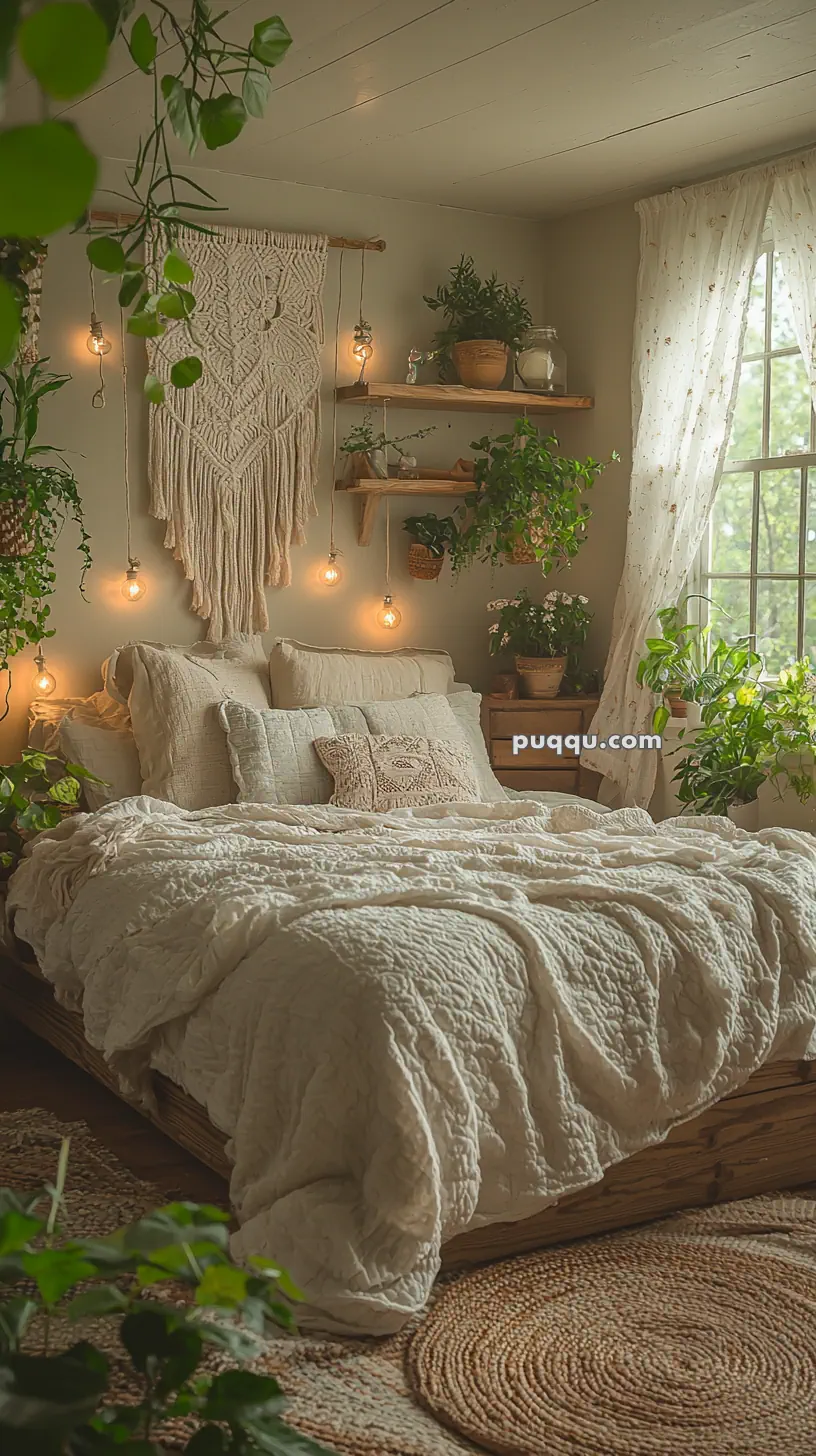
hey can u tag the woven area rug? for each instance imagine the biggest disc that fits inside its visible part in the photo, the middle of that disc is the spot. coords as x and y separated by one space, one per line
692 1337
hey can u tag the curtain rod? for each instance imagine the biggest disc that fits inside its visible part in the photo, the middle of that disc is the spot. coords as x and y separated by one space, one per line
368 245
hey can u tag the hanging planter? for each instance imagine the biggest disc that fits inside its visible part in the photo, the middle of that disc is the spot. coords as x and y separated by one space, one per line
422 565
16 533
524 551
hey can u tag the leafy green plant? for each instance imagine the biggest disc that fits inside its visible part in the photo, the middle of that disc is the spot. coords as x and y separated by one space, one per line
683 663
19 258
362 438
48 174
525 492
37 499
556 627
35 792
478 309
66 1403
790 705
438 533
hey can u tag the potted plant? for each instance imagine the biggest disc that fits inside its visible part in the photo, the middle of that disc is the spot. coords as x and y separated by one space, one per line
74 1399
35 501
544 636
682 666
34 795
790 705
367 448
431 536
484 320
527 501
725 762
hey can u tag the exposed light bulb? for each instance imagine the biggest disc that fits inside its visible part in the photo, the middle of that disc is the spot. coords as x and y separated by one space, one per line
330 574
43 682
96 343
389 616
134 586
363 347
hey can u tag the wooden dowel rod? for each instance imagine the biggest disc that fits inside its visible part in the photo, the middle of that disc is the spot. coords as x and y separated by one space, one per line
369 245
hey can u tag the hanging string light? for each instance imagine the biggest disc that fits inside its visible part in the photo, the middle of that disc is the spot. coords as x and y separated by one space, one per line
134 586
97 344
363 347
43 682
330 574
388 616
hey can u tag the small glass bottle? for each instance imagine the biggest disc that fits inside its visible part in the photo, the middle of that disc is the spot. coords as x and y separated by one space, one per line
542 362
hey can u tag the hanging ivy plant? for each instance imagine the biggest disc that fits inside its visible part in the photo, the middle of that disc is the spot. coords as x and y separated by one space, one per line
48 174
36 499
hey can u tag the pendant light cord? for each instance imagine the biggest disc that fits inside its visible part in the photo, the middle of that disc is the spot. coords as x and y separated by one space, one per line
387 542
126 437
332 551
98 397
362 280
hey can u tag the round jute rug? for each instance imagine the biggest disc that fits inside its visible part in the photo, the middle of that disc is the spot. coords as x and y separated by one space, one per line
663 1343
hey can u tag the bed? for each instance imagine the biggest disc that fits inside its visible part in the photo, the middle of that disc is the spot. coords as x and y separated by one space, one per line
433 1035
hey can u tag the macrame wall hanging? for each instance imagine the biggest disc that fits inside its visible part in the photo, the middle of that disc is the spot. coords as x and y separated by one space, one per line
233 460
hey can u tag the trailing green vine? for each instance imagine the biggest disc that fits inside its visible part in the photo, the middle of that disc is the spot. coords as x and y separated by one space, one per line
48 174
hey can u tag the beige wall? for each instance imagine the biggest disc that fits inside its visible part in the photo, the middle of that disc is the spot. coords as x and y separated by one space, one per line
591 261
580 273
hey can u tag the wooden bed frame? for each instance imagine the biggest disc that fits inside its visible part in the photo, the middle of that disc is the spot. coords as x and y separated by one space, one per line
760 1138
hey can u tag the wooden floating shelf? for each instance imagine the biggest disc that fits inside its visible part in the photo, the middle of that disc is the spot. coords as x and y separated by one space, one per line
457 397
371 492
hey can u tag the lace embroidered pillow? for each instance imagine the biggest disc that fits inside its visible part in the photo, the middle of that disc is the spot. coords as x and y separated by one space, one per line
397 771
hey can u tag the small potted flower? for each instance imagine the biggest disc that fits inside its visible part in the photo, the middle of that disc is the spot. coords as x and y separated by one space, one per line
544 636
431 536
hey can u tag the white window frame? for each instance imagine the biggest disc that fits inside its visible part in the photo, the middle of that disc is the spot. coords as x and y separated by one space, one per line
703 581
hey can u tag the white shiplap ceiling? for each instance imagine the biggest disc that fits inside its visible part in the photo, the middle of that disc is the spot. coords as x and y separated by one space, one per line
527 107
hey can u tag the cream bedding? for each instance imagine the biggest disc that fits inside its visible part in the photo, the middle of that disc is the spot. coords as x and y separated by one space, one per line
414 1023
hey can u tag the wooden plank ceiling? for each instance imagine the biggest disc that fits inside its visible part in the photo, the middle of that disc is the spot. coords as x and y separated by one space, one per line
526 107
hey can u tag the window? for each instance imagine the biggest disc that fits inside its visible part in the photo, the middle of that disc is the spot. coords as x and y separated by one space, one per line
759 557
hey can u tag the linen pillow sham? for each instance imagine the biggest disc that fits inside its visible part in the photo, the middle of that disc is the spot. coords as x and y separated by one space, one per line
301 676
110 753
272 752
174 697
397 771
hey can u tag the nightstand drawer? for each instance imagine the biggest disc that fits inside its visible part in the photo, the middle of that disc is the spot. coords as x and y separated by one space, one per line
504 725
559 781
501 752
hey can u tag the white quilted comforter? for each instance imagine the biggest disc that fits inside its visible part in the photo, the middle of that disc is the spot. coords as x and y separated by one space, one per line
416 1023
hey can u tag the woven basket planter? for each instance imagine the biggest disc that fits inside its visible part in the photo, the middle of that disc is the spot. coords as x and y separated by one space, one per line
421 564
15 529
541 676
524 551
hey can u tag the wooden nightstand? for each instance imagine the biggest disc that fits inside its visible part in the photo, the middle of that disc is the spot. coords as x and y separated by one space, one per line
538 768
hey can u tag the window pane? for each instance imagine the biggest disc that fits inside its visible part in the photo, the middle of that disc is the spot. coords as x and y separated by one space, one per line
810 621
790 407
755 331
782 334
776 622
733 599
746 430
731 523
778 526
810 542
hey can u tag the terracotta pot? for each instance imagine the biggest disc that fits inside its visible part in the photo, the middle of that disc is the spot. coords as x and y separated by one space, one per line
481 363
15 530
678 707
422 564
540 676
745 816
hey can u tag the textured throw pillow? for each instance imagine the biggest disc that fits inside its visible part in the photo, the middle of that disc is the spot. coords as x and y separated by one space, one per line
272 752
310 677
174 699
397 771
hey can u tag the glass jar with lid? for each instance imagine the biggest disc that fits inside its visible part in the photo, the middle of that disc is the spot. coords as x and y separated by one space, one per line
542 362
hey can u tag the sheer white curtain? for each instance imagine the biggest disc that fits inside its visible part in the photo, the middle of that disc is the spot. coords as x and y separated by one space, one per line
697 252
794 228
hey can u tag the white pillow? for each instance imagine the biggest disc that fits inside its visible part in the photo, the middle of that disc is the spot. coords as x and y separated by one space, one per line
274 760
174 700
110 753
457 714
272 754
306 677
